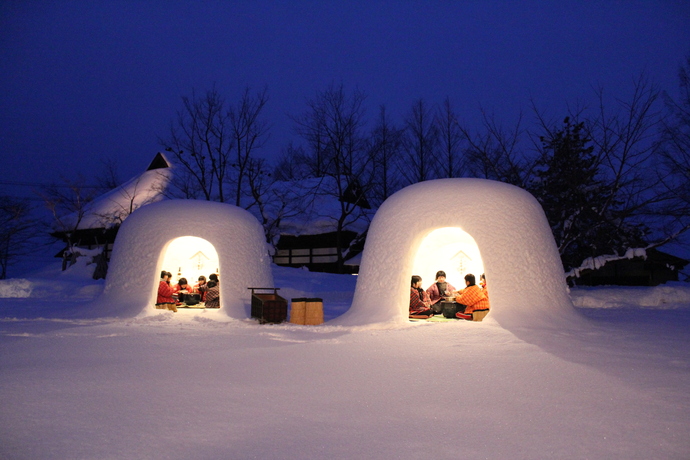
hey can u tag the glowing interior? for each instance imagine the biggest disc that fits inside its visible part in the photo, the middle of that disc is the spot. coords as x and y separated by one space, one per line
452 250
189 257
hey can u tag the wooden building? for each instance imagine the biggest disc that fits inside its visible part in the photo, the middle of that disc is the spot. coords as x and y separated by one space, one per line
655 268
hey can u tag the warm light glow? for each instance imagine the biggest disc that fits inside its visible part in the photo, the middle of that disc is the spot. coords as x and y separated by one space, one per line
452 250
189 257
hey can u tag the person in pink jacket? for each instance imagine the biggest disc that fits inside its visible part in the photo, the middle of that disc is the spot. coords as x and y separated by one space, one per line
440 288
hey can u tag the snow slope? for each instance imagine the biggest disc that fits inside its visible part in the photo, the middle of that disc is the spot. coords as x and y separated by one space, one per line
195 385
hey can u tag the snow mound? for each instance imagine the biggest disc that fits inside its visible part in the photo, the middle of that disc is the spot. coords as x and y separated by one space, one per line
665 297
521 261
140 248
15 288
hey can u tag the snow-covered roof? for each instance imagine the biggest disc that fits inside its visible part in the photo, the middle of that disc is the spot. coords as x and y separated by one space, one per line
114 206
302 207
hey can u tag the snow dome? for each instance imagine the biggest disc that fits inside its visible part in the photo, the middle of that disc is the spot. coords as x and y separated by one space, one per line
462 226
187 238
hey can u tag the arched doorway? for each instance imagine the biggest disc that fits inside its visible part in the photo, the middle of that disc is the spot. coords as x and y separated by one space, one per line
452 250
188 257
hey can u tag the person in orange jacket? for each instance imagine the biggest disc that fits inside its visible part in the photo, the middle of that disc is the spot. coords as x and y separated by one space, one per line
474 297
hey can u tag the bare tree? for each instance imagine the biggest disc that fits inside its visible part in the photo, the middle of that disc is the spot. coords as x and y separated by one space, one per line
332 126
675 152
626 142
108 178
498 153
384 150
201 143
450 140
17 231
632 210
249 132
68 205
420 144
294 163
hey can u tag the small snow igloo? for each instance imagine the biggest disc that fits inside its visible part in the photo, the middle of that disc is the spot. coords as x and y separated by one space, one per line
501 228
230 240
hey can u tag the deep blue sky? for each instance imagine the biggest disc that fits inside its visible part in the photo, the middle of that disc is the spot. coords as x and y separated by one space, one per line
87 80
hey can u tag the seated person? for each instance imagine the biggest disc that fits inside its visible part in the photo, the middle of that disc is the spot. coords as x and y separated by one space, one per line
473 297
200 288
212 295
420 305
440 288
181 288
165 300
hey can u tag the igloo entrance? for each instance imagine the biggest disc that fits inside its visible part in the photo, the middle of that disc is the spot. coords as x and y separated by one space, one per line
189 257
451 250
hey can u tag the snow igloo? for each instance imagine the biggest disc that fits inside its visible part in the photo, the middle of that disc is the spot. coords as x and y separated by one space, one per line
187 238
462 226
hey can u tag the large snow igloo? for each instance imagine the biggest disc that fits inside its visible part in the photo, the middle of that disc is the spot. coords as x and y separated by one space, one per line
518 252
142 242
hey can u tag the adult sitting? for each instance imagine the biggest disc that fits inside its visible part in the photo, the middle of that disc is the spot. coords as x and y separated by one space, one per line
165 300
420 305
473 297
212 295
440 288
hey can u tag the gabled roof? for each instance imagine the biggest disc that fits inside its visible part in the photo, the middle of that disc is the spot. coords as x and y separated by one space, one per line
114 206
159 162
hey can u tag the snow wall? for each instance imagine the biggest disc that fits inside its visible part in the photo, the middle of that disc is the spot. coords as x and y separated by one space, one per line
523 269
237 236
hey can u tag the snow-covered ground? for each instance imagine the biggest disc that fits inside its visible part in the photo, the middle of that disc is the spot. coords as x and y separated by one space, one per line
198 384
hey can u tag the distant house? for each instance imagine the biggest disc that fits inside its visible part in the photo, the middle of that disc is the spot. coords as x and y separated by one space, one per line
308 236
653 268
96 225
300 218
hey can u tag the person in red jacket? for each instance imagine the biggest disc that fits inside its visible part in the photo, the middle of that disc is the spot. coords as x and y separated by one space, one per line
165 291
474 297
420 305
180 289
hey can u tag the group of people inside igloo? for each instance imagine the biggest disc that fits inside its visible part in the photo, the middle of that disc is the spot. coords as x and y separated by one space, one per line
468 303
202 294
